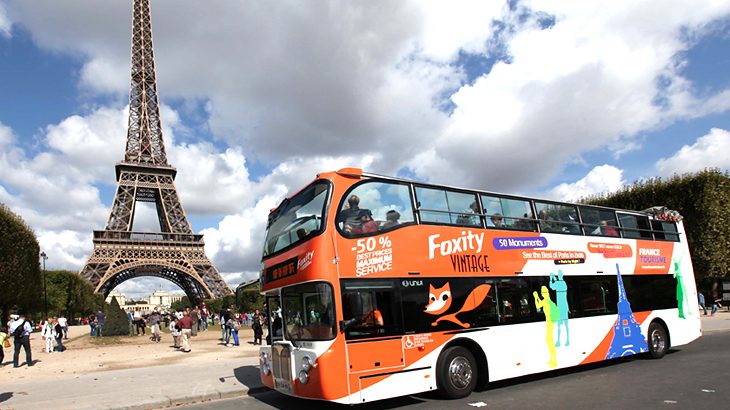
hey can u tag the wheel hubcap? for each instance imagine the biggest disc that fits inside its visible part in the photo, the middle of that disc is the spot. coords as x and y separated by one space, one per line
460 372
657 341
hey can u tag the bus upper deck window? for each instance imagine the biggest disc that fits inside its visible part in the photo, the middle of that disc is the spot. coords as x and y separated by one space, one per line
374 207
448 207
508 213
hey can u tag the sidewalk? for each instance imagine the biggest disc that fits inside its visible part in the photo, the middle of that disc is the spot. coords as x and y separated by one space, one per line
167 385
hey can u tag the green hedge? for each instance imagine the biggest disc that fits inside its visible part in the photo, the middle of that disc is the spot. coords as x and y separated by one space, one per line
703 199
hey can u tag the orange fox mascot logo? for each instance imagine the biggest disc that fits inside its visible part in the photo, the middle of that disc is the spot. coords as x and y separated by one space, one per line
440 301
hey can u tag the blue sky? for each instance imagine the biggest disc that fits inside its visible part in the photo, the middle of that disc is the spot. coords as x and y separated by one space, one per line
531 97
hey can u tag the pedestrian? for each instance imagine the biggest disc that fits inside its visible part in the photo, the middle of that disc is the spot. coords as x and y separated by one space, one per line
175 332
64 325
236 328
58 335
716 304
195 317
204 315
222 322
100 316
154 321
130 319
21 329
227 326
186 324
139 321
257 327
92 324
702 302
47 335
4 342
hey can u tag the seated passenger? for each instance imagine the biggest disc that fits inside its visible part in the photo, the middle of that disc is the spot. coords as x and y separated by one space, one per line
350 216
605 230
468 217
497 220
391 219
367 224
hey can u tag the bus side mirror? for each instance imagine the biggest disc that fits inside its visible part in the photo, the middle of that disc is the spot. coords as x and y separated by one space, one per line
342 325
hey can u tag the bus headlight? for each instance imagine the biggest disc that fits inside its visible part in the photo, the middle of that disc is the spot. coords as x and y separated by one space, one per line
265 363
303 377
306 363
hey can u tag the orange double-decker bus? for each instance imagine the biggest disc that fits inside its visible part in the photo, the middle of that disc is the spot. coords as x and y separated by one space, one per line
379 287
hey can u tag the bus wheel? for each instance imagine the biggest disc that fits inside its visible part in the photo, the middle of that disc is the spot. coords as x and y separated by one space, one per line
658 341
456 374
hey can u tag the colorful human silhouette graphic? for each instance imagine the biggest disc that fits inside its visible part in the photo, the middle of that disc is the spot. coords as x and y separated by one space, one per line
627 337
439 301
561 295
681 292
552 315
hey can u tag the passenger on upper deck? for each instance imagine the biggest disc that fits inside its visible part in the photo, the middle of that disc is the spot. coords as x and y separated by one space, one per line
470 216
391 219
350 216
367 224
497 220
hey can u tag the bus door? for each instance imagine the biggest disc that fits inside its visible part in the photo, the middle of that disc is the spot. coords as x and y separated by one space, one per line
372 323
274 322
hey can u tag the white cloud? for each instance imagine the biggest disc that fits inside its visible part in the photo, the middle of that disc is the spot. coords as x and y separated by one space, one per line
5 23
305 88
601 179
710 151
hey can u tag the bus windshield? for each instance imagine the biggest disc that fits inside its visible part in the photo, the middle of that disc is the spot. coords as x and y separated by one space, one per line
296 219
309 312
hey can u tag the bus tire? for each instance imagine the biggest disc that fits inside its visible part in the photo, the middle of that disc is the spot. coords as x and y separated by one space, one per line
456 373
658 340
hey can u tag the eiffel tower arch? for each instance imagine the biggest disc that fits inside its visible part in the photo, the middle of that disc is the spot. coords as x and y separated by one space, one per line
174 253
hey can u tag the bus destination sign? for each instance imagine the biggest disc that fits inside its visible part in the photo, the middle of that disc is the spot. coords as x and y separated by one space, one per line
281 270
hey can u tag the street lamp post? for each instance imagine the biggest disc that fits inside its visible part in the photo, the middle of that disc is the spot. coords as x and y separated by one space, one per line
45 294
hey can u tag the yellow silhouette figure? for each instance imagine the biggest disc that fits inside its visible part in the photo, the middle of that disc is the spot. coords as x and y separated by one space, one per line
552 315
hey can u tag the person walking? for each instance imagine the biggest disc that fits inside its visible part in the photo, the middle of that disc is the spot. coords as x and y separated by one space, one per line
257 326
175 331
92 324
58 335
47 335
702 302
186 324
130 319
21 329
154 322
195 317
4 342
236 327
204 315
64 325
100 316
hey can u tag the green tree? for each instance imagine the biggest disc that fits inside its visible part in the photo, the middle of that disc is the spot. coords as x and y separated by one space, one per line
181 304
116 322
69 294
20 275
702 199
250 299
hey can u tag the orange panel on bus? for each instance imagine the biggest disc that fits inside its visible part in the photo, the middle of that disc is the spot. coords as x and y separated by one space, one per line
373 355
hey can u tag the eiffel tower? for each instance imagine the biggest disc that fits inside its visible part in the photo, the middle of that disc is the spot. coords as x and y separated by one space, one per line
174 253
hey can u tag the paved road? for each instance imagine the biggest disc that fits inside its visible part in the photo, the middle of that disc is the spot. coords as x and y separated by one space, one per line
693 377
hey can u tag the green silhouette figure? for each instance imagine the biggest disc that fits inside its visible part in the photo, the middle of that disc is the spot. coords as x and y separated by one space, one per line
681 292
561 294
551 316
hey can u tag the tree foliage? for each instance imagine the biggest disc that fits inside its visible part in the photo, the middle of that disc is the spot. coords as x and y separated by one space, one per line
702 199
250 299
20 276
215 305
181 304
116 322
69 294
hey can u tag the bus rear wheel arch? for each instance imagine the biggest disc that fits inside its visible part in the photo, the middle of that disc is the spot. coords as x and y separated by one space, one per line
457 372
658 339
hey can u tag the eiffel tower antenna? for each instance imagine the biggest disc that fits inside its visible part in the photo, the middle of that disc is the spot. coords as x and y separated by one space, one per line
175 253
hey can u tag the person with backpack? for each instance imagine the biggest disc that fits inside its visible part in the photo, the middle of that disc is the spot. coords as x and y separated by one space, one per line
21 329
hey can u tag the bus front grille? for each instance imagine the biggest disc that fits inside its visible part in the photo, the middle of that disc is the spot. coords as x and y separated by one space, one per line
281 363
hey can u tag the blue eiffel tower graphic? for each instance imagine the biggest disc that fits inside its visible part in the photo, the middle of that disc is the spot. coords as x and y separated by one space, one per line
627 337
